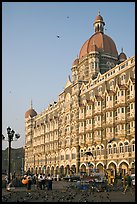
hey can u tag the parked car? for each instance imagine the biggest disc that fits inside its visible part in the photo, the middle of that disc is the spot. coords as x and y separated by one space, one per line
133 179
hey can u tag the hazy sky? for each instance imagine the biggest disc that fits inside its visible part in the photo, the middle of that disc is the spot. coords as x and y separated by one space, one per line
36 64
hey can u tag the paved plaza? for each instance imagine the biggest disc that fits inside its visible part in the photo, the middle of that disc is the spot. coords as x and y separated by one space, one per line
64 192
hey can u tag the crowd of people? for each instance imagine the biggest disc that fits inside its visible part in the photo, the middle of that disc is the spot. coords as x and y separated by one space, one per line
41 181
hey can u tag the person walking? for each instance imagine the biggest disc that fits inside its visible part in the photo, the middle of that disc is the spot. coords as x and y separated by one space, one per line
49 182
29 183
128 183
40 179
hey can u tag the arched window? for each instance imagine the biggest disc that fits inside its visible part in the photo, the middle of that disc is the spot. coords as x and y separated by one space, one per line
133 146
121 148
109 149
81 153
114 148
102 150
93 151
98 151
126 146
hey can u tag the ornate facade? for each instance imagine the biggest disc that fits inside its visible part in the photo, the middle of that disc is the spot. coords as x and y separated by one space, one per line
94 113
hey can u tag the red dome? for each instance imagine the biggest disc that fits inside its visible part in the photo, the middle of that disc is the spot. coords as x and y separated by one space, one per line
75 63
99 18
31 112
122 57
101 43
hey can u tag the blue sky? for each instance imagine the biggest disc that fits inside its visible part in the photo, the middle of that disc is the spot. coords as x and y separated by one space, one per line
36 64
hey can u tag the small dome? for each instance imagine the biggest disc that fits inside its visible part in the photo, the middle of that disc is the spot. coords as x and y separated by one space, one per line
75 63
99 18
31 112
122 57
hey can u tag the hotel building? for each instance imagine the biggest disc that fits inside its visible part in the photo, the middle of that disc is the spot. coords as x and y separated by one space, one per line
94 113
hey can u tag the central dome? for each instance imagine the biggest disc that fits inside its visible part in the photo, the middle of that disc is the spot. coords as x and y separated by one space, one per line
101 43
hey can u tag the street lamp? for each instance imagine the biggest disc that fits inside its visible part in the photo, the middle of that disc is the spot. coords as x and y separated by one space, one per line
10 134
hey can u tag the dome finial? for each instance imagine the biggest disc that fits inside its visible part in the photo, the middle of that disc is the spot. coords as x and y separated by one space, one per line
99 12
122 49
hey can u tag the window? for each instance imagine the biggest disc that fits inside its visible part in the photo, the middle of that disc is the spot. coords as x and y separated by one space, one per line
123 77
121 148
126 146
67 156
82 153
73 155
122 93
122 110
98 151
111 83
133 146
102 150
109 149
114 149
62 157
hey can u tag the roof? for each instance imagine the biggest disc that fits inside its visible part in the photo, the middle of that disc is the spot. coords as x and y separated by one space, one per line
101 43
31 112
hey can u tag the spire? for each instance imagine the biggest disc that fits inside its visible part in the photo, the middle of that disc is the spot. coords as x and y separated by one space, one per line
122 49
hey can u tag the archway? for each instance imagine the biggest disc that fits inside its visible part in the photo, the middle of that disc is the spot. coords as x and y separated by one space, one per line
62 171
52 171
100 168
123 168
73 169
48 170
83 169
67 170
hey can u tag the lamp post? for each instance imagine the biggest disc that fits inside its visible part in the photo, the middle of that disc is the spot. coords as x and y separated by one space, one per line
10 134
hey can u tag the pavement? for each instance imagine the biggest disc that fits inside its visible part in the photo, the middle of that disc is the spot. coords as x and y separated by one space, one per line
63 191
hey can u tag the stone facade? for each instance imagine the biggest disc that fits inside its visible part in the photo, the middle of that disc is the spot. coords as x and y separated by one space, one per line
94 113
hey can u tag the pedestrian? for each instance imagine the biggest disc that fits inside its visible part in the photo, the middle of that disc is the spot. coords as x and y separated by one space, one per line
29 183
40 179
25 180
43 181
128 183
49 182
